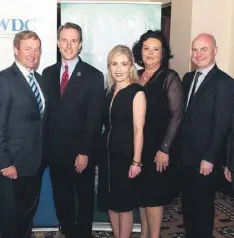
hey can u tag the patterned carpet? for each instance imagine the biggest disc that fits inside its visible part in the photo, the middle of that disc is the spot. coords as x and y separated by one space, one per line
173 224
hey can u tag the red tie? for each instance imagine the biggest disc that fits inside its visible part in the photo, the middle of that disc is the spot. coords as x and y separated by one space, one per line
64 81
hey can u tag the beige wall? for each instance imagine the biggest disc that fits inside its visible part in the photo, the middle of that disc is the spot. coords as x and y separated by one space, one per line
191 17
231 43
166 1
180 35
216 22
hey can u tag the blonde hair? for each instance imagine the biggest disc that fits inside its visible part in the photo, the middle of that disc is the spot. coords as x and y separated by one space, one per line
124 50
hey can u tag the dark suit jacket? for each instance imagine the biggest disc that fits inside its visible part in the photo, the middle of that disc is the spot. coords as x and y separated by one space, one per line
207 121
73 122
20 123
230 148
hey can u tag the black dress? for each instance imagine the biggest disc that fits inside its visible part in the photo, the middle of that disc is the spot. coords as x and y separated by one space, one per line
163 115
115 187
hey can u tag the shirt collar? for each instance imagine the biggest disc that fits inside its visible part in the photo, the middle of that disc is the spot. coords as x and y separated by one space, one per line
23 70
71 63
206 70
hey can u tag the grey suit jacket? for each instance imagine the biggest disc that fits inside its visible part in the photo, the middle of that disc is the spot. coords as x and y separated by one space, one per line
206 122
20 123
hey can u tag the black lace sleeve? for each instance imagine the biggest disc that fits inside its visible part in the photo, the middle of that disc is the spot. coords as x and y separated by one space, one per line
174 92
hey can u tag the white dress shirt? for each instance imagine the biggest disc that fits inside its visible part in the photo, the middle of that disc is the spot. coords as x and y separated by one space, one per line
200 79
25 72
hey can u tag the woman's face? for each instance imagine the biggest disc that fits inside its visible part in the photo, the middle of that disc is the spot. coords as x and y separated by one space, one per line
152 53
120 67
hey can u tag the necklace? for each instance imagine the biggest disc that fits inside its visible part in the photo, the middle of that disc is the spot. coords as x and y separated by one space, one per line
146 76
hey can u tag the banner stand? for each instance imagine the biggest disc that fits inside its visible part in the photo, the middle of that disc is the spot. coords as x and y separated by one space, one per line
97 226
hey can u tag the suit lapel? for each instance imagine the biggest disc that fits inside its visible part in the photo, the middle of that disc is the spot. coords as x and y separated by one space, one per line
78 71
205 85
186 86
22 83
204 89
76 77
56 81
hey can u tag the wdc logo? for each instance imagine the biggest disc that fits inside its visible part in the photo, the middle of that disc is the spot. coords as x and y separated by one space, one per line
10 26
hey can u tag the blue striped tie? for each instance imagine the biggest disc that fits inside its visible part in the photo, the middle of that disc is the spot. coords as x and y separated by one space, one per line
35 90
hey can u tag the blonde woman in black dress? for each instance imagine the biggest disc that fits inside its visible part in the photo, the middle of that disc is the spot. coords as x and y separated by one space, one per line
124 117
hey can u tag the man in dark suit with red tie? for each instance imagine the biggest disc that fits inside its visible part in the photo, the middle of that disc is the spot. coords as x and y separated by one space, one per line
22 106
75 92
209 103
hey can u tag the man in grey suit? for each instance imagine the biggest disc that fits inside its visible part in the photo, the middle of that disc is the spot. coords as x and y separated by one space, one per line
209 104
21 111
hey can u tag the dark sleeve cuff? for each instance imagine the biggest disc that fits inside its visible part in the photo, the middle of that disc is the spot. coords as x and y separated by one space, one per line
165 149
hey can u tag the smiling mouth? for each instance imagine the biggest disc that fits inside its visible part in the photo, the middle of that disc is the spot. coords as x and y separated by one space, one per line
118 75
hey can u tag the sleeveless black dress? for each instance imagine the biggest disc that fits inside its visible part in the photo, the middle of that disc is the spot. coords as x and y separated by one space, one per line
163 115
115 188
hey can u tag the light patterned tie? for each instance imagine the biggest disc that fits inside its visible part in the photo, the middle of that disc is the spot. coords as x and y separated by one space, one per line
35 90
64 81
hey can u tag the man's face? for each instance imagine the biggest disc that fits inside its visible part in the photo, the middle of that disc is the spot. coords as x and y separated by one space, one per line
203 52
69 43
29 53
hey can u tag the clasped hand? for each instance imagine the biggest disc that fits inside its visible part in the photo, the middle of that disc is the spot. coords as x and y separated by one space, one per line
81 163
10 172
206 167
227 174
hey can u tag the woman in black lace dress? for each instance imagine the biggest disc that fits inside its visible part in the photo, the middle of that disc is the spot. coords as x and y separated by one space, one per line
124 117
163 91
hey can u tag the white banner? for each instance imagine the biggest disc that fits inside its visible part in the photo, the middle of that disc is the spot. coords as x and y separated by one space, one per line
39 16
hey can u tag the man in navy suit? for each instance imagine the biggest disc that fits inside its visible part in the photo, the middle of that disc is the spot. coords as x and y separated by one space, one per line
75 93
209 104
22 106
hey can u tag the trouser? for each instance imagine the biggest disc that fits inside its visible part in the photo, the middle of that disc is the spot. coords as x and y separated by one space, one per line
19 199
68 185
198 194
232 174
